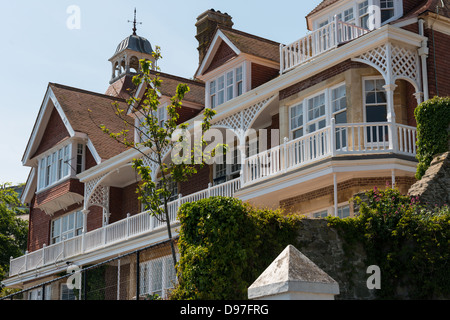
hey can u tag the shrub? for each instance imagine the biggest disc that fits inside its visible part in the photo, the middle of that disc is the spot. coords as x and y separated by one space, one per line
407 241
433 122
225 245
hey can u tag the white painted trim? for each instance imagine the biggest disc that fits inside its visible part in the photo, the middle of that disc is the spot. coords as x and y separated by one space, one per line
38 131
213 49
93 151
283 181
28 186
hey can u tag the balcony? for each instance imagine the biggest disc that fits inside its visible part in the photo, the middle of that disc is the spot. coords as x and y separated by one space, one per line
132 227
318 42
342 139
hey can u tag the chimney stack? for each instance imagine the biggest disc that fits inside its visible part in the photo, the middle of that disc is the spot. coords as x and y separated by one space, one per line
206 25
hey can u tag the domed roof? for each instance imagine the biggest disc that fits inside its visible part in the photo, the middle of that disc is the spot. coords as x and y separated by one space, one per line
135 43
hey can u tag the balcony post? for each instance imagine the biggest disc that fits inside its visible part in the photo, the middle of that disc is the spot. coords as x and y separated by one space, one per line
43 254
128 226
336 31
26 260
285 153
392 128
333 137
85 213
281 59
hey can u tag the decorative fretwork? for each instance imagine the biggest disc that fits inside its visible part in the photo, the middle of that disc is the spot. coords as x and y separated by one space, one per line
394 62
241 121
100 197
405 63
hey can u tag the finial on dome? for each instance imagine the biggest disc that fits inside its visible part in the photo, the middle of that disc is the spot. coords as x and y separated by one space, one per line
134 23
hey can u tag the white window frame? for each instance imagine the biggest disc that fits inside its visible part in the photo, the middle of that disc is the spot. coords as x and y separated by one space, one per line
307 120
173 185
49 165
70 233
166 276
320 213
219 90
301 113
65 293
341 133
228 171
372 144
341 208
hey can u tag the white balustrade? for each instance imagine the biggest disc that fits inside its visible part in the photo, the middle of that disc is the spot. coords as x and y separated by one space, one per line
317 42
122 230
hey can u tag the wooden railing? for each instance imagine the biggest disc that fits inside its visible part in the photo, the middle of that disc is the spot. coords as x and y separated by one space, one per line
132 226
349 138
319 41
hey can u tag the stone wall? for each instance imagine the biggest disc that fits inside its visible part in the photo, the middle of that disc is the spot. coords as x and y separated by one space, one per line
434 187
323 246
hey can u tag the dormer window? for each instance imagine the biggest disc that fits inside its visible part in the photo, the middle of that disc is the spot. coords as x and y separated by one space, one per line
226 87
56 165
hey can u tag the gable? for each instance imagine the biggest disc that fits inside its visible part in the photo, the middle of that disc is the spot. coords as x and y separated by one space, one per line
229 43
55 132
224 53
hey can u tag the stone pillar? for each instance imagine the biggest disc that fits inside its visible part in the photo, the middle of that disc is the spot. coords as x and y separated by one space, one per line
292 276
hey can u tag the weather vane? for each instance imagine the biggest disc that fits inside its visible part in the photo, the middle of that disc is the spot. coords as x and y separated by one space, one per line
134 22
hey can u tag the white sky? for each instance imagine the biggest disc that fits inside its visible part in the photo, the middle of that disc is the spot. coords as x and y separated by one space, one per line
37 47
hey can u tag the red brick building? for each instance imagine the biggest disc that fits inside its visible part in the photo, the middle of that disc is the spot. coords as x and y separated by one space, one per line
332 115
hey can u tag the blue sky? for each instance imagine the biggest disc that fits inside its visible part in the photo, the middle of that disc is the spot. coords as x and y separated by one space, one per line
37 47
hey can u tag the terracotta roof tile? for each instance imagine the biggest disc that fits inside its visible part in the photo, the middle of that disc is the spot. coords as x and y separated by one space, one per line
253 45
76 103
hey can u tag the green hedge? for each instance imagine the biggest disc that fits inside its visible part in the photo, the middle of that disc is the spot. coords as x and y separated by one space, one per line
225 245
433 121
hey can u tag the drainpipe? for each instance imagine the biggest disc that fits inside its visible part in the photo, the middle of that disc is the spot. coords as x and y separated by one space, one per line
423 53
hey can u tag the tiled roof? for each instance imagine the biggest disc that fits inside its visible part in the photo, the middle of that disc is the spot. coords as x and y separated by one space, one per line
76 104
254 45
428 6
122 88
322 5
169 84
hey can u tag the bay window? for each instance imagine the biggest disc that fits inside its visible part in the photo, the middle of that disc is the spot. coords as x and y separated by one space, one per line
226 87
56 165
315 112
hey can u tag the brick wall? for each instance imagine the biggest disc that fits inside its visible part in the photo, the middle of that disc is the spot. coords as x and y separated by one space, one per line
197 182
438 79
322 76
262 74
223 54
54 133
346 190
60 189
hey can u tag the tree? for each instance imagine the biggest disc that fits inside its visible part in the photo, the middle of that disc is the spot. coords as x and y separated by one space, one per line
155 138
13 230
